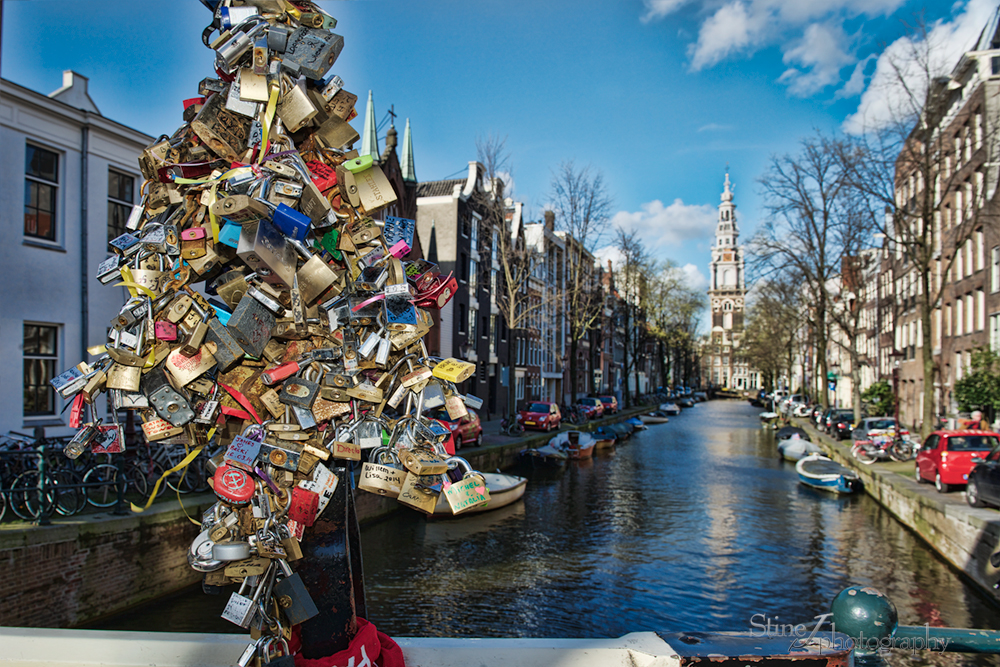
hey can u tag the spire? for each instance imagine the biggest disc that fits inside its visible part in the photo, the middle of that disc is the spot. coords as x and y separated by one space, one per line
369 140
409 173
727 193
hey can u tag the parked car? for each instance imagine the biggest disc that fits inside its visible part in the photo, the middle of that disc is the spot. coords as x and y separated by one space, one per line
842 425
467 430
592 407
610 404
871 427
983 487
541 415
947 457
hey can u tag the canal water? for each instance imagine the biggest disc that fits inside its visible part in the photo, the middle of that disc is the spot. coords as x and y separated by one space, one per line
691 525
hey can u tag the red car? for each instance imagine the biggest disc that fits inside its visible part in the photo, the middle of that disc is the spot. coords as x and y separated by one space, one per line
591 407
542 415
464 431
610 404
946 456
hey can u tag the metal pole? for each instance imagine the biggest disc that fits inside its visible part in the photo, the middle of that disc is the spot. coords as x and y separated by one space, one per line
120 485
895 395
43 508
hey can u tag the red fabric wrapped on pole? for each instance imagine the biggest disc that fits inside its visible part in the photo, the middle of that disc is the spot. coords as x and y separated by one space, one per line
369 648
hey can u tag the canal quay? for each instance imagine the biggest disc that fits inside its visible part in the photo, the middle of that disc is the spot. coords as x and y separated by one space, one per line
692 525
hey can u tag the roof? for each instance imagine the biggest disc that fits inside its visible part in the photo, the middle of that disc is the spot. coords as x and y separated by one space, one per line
439 188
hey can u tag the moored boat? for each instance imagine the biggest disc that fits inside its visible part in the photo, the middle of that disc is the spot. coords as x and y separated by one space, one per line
654 418
576 444
670 408
797 448
546 455
504 490
821 473
637 423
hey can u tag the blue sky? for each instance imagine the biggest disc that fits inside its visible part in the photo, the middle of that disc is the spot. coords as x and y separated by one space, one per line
658 94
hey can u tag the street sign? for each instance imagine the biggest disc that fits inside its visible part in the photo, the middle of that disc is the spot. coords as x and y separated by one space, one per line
833 385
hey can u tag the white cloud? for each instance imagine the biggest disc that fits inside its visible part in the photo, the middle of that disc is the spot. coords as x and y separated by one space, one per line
715 127
821 55
694 278
856 84
886 98
809 33
660 225
657 9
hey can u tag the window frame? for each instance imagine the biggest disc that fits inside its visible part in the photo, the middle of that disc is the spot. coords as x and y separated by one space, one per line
115 203
53 370
40 180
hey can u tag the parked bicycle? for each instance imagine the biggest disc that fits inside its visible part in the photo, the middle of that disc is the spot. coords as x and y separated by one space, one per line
882 448
510 426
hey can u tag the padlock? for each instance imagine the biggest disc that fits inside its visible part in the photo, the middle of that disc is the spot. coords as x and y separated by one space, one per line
166 400
284 455
295 109
233 486
82 440
193 242
240 209
228 351
223 131
469 491
454 370
382 474
422 462
276 653
420 493
264 250
251 325
291 545
311 52
294 600
240 40
299 391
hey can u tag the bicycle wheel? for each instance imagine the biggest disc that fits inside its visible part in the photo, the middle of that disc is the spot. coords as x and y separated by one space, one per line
104 492
27 501
3 506
862 455
69 499
901 451
137 480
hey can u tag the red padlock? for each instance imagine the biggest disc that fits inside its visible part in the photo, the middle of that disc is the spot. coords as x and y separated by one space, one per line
233 485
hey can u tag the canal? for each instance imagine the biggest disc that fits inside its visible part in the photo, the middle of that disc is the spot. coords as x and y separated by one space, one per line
691 525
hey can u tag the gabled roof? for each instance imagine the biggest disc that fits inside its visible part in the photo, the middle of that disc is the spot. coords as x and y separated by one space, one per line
989 38
439 188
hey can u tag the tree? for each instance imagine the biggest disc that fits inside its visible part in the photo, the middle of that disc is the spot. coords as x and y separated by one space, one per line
583 207
810 228
672 311
631 290
514 259
979 388
879 398
775 319
926 170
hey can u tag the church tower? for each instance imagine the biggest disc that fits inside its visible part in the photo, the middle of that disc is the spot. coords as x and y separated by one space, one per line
727 296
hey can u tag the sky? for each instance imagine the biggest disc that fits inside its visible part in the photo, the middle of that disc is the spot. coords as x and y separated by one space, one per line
660 96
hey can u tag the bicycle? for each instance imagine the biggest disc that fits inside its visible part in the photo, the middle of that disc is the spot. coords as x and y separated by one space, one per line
511 426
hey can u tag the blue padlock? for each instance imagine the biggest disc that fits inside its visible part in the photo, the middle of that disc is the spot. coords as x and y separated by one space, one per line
230 235
290 222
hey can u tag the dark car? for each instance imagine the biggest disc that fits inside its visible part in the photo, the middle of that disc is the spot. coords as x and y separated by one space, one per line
984 481
610 404
841 425
833 415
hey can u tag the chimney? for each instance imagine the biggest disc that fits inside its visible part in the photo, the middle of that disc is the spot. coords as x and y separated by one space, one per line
74 92
390 138
550 221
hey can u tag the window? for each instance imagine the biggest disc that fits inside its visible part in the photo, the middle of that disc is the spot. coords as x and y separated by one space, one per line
40 356
495 248
41 184
980 250
493 284
472 327
969 313
485 326
959 316
120 197
980 310
473 276
519 388
462 321
474 236
995 271
995 332
493 334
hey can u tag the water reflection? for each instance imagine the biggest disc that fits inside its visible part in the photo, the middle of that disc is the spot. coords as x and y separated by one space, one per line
694 524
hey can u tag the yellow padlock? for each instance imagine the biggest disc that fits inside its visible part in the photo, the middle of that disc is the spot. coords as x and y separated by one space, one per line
454 370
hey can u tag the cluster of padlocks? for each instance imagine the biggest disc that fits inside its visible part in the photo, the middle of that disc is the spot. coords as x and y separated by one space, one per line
304 344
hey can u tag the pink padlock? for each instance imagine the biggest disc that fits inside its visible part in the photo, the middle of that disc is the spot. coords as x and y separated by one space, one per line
193 234
399 249
166 331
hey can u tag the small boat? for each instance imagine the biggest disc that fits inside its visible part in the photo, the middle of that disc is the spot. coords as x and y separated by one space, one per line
769 418
786 432
637 423
576 444
504 490
601 444
670 408
546 455
797 448
821 473
621 430
654 418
